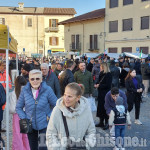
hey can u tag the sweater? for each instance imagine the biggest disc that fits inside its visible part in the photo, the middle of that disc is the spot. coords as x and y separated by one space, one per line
80 123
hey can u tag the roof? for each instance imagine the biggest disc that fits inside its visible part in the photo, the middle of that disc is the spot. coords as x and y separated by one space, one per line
99 13
62 11
38 10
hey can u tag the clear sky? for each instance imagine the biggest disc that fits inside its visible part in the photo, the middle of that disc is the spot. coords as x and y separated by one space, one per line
81 6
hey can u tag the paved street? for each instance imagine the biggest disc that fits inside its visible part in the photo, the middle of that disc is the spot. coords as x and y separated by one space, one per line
142 132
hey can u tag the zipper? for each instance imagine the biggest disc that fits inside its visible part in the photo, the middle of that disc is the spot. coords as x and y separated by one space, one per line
36 102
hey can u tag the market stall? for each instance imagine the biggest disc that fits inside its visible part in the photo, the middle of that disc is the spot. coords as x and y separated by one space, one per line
7 45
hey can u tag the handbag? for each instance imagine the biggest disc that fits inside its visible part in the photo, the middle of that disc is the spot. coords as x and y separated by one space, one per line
26 124
75 147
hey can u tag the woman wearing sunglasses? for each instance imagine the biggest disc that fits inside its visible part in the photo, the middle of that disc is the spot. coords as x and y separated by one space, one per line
38 99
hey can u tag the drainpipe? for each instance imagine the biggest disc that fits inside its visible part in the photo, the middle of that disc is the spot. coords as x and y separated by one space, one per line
83 37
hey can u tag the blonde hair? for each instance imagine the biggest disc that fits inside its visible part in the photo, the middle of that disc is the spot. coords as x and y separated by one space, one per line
35 71
105 67
79 88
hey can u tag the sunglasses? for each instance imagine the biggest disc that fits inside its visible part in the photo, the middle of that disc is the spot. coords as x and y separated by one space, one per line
37 79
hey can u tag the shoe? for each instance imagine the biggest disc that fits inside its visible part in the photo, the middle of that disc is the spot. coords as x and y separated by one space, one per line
137 121
106 127
99 125
115 148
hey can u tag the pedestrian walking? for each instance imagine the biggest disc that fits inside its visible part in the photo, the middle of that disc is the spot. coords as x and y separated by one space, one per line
73 108
19 140
118 117
134 93
38 99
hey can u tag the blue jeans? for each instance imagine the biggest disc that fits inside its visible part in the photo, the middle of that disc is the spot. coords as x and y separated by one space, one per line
37 140
119 135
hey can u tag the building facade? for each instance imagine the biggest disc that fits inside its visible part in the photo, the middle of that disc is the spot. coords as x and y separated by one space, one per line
85 33
127 26
36 29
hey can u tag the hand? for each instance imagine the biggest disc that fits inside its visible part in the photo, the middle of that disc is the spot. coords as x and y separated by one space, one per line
48 118
138 90
141 90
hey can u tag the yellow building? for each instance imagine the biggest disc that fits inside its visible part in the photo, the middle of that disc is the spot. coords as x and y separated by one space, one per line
127 26
36 29
85 33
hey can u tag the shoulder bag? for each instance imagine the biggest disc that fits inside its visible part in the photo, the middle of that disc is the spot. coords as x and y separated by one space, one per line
26 124
75 145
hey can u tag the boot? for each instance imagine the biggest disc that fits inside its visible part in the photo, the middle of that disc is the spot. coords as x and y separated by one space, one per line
101 124
106 125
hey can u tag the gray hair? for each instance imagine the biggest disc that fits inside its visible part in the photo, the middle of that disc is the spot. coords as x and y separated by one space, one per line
45 65
35 71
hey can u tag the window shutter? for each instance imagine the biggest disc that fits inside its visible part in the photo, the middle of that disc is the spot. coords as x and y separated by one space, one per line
95 42
50 23
91 41
57 41
56 22
50 40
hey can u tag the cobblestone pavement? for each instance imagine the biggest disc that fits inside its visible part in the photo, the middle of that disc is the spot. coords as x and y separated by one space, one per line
142 132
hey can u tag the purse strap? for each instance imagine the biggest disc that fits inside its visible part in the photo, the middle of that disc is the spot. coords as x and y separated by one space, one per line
65 125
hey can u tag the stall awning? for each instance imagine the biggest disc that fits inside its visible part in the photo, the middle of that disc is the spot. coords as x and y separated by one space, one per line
58 49
4 40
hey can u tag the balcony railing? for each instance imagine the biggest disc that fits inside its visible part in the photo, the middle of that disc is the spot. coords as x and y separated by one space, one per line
52 29
75 46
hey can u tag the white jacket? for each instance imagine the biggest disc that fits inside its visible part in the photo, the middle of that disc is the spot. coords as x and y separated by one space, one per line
80 123
12 102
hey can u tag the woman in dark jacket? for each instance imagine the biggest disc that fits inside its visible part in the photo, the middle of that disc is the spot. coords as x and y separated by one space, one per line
134 91
103 85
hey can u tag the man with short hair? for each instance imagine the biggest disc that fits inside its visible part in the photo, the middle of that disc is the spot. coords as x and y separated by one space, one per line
145 70
58 69
90 65
50 78
25 71
82 76
67 76
110 104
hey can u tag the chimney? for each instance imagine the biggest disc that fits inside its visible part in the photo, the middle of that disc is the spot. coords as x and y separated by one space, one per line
21 6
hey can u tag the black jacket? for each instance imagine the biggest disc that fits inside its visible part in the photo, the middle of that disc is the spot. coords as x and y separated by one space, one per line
89 67
66 78
145 70
132 91
115 72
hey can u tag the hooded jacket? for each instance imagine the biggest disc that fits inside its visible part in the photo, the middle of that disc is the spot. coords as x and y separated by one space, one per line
80 124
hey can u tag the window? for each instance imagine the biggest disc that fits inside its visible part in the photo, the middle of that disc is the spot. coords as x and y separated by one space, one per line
145 0
93 42
2 21
145 50
40 44
113 3
145 22
127 24
29 22
127 2
112 50
127 49
53 22
75 42
53 41
40 51
113 26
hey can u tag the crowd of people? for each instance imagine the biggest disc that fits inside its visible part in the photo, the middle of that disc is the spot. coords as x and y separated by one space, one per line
52 96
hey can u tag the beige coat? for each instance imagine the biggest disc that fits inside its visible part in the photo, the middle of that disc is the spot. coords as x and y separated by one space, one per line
80 124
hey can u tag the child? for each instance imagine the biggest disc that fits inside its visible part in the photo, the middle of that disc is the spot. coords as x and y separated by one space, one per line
118 116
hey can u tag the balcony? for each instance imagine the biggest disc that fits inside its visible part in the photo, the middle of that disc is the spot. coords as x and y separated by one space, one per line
52 29
75 47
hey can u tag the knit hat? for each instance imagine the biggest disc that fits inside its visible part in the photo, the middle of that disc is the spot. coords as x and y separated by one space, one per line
119 101
26 67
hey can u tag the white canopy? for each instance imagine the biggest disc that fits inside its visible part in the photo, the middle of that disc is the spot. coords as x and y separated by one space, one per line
136 55
92 55
113 55
59 54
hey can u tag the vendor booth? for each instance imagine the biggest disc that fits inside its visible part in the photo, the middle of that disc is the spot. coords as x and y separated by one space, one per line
8 45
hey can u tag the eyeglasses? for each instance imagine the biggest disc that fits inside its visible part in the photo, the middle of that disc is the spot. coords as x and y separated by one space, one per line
37 79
